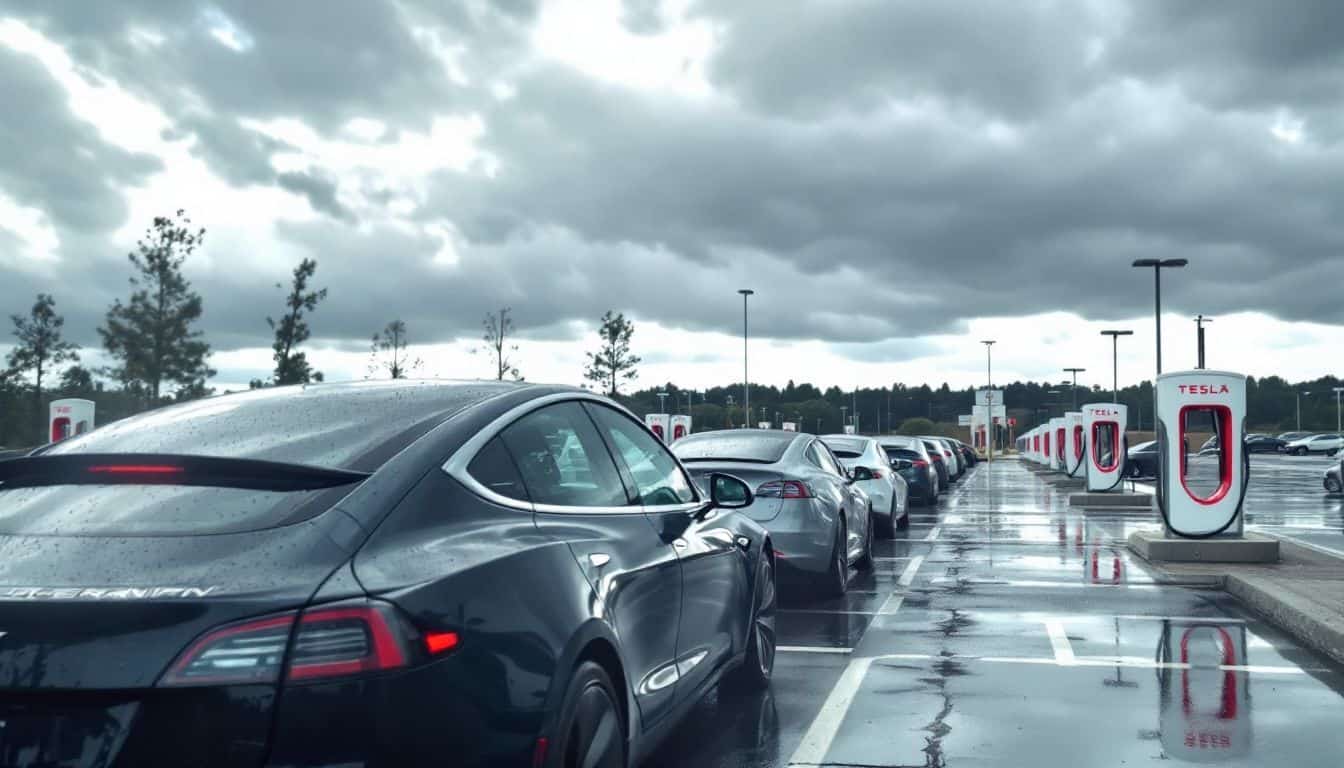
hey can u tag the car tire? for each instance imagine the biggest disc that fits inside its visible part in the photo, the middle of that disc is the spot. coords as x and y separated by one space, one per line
886 525
1299 451
1331 485
865 561
759 663
836 581
590 719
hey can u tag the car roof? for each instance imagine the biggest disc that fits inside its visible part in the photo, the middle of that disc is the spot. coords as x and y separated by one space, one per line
337 424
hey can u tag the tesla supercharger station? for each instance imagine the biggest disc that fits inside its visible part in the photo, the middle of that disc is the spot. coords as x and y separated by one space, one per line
1036 454
1075 448
1054 439
70 417
1204 691
1201 496
789 426
681 426
659 423
1104 430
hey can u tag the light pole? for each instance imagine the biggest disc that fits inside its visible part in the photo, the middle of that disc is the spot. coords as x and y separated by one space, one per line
728 419
746 387
844 411
662 402
989 399
1074 389
1115 361
1200 320
1299 409
1158 265
1338 426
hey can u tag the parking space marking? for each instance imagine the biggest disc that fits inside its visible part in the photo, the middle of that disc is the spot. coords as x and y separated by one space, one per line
817 741
1214 619
811 649
1101 661
1039 584
890 559
836 611
933 534
908 575
1316 547
1059 641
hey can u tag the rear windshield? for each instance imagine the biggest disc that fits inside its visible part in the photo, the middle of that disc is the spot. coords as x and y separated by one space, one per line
838 444
840 453
356 426
728 445
903 453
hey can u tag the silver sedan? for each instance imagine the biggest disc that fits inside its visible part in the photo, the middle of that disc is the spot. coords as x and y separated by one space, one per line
819 520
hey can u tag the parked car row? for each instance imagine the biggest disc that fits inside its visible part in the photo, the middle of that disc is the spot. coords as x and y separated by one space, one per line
824 498
387 573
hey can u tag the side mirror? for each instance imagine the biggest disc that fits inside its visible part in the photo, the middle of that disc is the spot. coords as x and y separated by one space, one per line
859 474
728 492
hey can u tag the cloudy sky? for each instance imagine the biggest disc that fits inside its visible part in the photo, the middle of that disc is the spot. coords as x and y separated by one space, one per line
896 180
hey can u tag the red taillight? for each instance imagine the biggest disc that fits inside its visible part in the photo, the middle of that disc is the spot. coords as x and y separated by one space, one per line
784 489
135 469
344 641
440 642
877 473
334 641
936 456
539 752
921 464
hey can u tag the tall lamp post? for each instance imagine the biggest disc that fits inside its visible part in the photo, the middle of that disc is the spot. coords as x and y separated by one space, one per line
1074 386
844 410
1115 361
989 398
662 402
1299 409
746 387
1158 265
1200 320
1338 426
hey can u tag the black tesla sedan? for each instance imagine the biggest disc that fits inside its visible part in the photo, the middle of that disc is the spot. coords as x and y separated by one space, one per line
376 574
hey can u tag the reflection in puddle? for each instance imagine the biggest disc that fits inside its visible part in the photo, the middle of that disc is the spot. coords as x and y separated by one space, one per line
1204 709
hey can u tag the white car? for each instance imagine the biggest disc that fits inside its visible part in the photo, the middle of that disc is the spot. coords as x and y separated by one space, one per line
887 490
1315 444
955 464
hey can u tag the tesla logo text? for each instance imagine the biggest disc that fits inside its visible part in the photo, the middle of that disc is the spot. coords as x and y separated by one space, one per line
1104 412
1202 389
103 593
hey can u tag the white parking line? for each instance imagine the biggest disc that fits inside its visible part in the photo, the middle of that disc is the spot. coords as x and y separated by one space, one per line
933 534
811 649
1100 661
908 575
817 741
1037 584
838 612
1208 619
1316 547
1059 641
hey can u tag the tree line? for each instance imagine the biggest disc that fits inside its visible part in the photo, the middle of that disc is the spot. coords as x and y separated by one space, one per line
158 355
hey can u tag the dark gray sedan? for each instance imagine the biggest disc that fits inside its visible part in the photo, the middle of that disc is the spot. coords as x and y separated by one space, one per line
820 522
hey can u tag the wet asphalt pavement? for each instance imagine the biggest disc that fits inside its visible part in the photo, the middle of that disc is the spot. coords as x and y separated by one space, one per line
1007 629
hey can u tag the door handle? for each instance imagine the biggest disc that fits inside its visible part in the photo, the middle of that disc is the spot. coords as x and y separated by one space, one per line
599 559
679 543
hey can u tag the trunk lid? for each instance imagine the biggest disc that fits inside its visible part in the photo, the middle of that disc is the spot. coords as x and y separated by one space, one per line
761 509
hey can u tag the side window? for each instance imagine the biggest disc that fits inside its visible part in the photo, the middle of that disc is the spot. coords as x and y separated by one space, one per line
828 461
493 467
658 478
812 456
821 456
562 459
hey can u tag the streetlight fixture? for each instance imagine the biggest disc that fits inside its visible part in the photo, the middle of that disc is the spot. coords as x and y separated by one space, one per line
1158 265
1075 372
1115 361
746 387
662 402
1299 409
989 398
1200 320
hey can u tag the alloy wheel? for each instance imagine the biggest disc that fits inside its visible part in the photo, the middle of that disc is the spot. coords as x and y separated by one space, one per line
595 740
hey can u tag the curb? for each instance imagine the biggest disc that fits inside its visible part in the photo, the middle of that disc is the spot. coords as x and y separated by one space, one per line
1299 617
